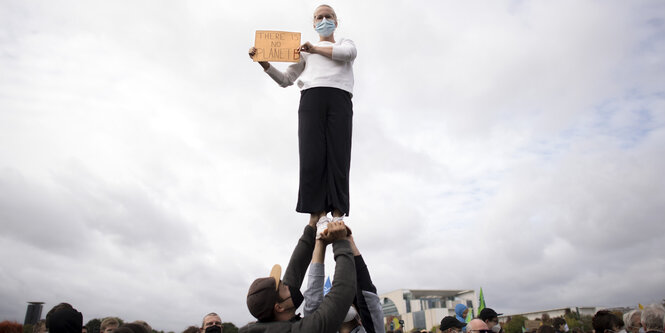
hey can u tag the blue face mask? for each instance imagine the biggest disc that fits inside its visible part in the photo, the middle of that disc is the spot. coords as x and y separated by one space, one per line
325 28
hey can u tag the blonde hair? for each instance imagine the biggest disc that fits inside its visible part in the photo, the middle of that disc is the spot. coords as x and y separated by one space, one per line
329 6
108 321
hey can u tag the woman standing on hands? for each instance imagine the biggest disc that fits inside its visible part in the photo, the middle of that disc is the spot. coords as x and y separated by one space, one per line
325 77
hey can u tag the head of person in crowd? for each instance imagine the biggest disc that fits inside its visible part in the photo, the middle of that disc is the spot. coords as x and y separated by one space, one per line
270 299
491 318
477 326
545 329
84 329
191 329
450 324
131 328
211 323
63 318
39 327
108 325
652 318
560 325
7 326
145 324
460 312
606 322
632 321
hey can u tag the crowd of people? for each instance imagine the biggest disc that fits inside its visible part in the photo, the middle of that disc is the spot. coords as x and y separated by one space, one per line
351 305
270 301
649 320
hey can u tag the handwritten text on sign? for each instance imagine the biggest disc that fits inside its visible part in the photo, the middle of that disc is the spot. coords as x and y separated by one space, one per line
277 46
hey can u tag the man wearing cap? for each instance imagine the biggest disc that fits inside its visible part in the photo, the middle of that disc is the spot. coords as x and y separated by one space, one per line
491 318
450 324
273 301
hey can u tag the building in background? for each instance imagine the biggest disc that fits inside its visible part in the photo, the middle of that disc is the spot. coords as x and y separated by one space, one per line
34 313
553 313
424 309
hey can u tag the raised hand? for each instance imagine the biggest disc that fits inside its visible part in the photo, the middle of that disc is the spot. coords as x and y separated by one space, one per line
335 231
307 47
252 53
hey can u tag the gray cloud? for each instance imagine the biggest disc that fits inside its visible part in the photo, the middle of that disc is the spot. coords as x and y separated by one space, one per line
148 168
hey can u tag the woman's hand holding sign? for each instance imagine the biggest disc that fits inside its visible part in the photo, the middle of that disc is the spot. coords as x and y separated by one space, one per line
325 51
252 53
307 47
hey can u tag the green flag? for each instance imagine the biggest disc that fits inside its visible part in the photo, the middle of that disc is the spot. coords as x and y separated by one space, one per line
481 301
469 315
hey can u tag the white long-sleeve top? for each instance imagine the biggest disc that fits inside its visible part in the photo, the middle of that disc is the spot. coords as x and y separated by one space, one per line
315 70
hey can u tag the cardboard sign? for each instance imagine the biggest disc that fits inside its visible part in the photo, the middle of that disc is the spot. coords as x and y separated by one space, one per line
278 46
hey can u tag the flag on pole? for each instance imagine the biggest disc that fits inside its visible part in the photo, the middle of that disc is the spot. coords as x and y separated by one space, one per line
327 286
481 301
469 316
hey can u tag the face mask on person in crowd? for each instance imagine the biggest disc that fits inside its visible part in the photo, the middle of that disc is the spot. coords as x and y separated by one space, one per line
565 328
213 329
642 330
496 328
325 28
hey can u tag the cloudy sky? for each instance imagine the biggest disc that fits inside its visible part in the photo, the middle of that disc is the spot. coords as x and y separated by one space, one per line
148 168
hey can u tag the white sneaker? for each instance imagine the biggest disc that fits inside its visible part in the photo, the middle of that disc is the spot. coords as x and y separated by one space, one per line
341 219
321 225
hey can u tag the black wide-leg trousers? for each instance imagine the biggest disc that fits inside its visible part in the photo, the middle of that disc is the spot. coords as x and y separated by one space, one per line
325 118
